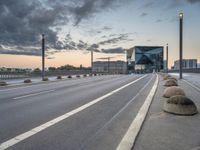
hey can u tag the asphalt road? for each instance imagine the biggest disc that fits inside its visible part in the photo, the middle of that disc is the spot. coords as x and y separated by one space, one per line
99 126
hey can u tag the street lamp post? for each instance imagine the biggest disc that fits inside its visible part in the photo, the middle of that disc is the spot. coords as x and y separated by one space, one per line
181 45
167 59
43 57
108 65
91 61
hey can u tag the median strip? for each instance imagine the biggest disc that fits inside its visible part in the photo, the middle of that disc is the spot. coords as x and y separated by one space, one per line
52 122
129 138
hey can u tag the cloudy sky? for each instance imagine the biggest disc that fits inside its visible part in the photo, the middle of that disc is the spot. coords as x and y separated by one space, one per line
73 28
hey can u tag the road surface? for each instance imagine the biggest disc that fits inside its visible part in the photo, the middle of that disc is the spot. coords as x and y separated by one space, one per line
89 125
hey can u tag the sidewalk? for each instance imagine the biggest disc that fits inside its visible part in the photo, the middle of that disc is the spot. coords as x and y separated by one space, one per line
193 78
163 131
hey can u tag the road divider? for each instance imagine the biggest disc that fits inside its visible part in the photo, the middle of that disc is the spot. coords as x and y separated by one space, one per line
54 121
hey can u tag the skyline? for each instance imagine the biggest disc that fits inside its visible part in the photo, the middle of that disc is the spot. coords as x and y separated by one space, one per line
75 28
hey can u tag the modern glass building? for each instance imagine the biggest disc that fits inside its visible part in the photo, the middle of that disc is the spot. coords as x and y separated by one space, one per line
145 59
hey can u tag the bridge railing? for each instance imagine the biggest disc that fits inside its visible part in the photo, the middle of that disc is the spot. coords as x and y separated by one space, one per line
17 75
194 70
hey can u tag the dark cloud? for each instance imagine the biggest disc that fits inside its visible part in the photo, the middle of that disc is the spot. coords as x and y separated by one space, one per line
117 50
87 8
143 14
23 21
18 50
93 47
120 37
158 20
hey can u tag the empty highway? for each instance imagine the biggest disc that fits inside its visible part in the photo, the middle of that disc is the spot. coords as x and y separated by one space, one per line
90 113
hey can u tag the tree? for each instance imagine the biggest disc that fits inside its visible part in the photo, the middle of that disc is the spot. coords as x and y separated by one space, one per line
52 68
37 70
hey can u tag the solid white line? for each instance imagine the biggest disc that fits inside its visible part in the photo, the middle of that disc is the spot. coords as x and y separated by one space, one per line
129 138
34 94
122 109
192 85
38 129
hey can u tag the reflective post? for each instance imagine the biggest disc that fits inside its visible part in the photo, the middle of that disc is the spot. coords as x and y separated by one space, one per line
181 45
43 57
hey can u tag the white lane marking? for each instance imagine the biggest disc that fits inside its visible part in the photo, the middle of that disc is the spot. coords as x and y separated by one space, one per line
34 94
52 122
192 85
129 138
121 110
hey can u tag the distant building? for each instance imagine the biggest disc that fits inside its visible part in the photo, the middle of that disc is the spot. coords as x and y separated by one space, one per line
186 64
198 65
145 59
118 67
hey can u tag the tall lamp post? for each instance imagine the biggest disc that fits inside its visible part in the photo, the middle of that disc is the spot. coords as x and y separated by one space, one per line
108 65
167 58
43 57
91 61
181 45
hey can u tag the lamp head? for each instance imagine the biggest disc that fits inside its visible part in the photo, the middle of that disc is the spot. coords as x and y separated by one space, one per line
181 15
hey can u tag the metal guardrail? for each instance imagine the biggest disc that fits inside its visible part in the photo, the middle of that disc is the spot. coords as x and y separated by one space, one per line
18 75
195 70
13 75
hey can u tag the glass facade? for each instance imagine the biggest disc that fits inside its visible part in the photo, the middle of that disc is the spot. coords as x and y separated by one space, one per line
145 59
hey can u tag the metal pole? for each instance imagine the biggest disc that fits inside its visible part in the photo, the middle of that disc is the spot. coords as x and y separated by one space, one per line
91 61
181 45
108 65
43 57
167 59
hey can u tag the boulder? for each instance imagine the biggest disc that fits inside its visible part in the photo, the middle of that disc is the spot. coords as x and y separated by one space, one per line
171 82
3 83
172 78
69 76
172 91
59 77
45 79
180 105
27 81
166 77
